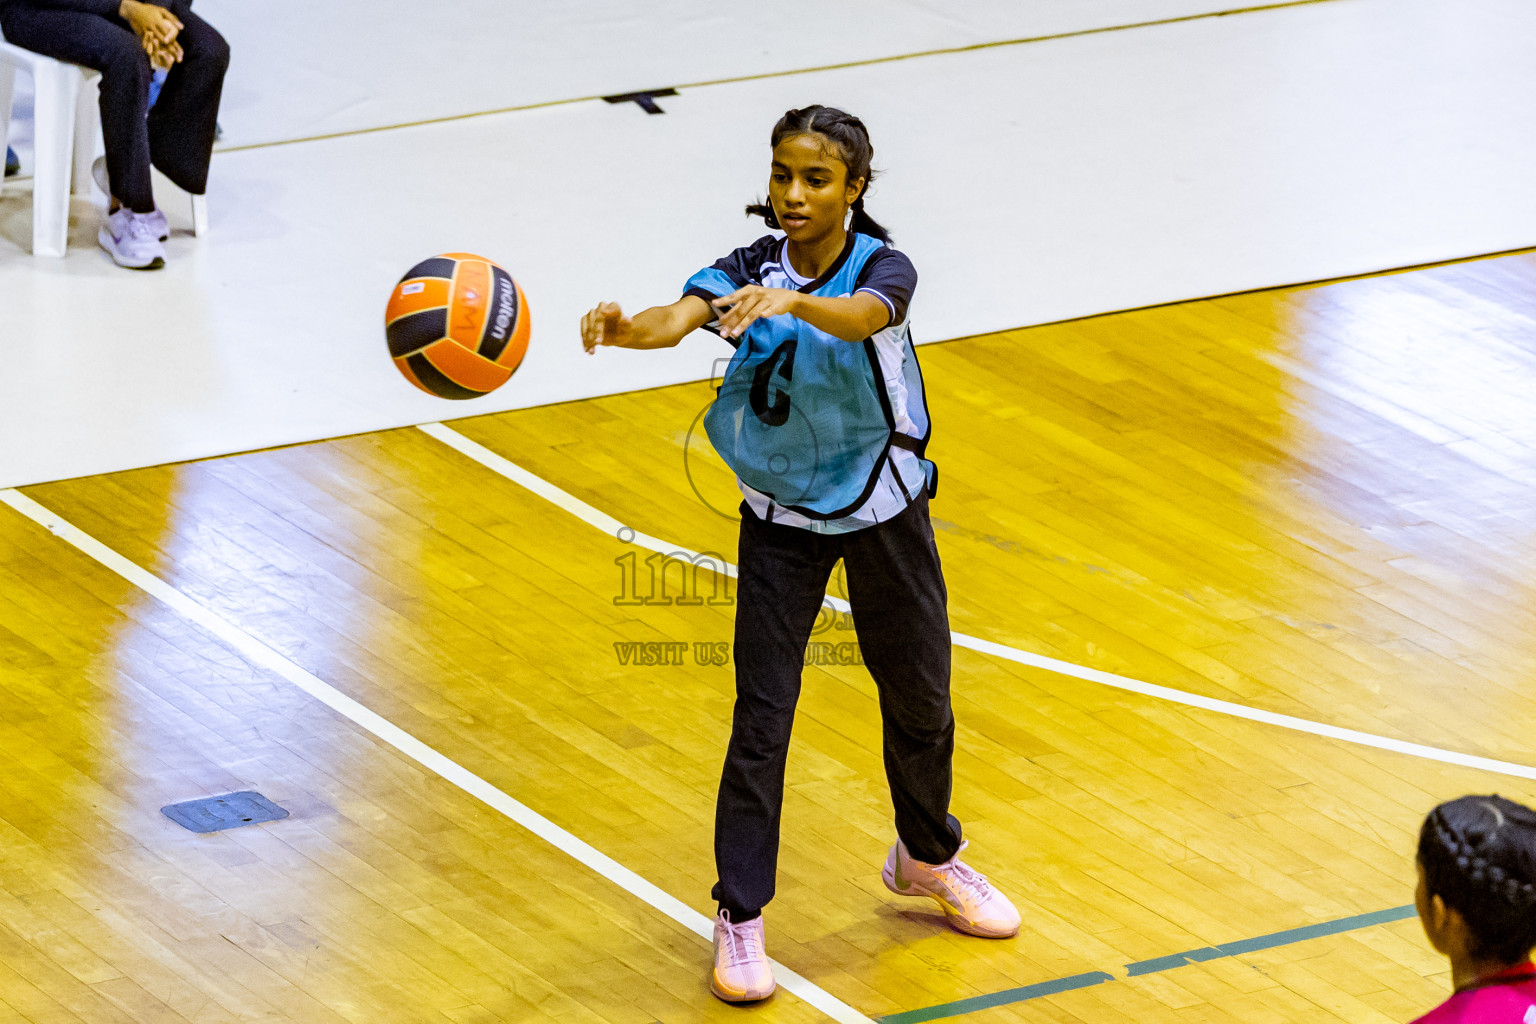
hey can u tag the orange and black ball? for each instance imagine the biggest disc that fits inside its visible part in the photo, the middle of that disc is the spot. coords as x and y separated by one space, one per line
457 325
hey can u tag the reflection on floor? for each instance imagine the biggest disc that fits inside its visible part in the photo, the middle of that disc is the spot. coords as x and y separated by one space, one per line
1314 500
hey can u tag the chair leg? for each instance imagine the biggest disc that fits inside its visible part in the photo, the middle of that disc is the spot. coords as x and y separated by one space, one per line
199 215
87 128
7 88
57 87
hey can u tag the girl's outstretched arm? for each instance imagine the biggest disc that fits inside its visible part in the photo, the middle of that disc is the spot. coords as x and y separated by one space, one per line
851 318
657 327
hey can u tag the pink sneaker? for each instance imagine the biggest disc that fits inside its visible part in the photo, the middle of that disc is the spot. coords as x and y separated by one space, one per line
741 967
968 899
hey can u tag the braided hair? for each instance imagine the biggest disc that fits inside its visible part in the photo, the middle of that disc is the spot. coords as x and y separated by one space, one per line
851 140
1479 857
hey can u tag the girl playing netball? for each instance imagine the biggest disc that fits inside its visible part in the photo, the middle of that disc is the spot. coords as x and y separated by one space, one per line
1477 900
821 415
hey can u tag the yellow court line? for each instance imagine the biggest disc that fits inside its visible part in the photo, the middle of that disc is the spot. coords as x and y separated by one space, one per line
866 62
611 526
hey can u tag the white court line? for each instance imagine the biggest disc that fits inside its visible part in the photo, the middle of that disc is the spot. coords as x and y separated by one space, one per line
612 526
260 654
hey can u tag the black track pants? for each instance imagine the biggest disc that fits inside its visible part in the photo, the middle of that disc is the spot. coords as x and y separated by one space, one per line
178 133
896 590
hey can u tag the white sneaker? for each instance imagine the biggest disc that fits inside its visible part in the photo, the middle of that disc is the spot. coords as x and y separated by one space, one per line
131 240
157 223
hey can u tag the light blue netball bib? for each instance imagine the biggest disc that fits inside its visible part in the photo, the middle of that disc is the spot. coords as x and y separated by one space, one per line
804 416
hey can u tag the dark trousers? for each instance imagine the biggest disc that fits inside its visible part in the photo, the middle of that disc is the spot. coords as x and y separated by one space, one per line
897 593
177 134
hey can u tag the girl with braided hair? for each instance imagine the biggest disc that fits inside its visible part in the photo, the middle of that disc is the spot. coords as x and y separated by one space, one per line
821 414
1477 901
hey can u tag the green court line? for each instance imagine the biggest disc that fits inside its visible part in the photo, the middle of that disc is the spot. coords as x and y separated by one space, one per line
1270 941
986 1002
1154 966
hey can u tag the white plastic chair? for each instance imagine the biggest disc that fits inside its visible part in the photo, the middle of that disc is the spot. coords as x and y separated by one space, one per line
67 120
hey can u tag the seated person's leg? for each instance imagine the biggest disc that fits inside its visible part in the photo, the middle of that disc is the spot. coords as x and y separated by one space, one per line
111 47
184 120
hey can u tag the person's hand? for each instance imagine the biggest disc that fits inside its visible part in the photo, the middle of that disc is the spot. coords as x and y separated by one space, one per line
162 55
605 324
745 306
155 26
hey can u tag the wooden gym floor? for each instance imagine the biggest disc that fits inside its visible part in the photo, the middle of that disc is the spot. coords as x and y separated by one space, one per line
1314 501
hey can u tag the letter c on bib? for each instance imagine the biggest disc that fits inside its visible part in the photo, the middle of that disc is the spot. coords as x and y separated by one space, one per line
782 360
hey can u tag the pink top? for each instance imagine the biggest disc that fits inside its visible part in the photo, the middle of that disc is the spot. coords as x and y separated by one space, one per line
1508 997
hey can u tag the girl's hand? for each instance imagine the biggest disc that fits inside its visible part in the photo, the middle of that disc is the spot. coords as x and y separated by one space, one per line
750 304
153 23
605 324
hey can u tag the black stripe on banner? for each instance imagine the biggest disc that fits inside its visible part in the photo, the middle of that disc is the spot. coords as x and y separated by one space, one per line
437 266
501 317
415 331
435 381
647 99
